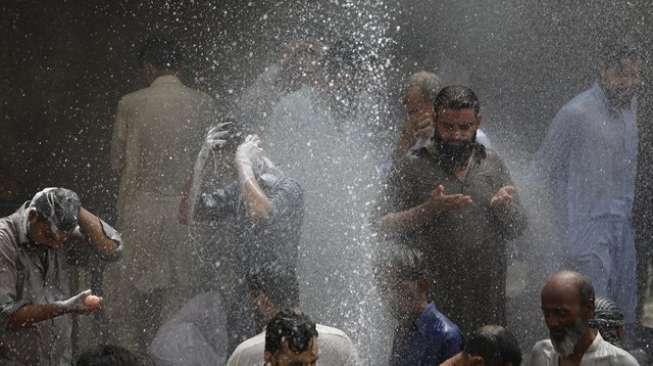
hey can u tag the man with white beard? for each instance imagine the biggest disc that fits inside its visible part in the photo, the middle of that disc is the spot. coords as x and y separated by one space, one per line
568 305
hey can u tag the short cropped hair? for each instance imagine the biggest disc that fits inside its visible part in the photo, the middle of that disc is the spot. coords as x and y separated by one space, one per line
291 326
279 286
495 344
614 51
404 262
161 51
456 97
428 83
108 355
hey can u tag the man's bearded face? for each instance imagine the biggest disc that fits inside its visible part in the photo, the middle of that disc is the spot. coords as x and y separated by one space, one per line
564 339
455 132
621 82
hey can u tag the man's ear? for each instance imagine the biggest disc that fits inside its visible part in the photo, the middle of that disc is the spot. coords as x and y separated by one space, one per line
32 215
268 358
476 361
479 119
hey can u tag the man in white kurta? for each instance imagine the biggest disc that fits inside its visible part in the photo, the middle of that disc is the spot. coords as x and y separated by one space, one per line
156 135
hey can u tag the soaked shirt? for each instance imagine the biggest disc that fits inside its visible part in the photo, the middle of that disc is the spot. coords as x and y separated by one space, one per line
33 274
600 353
431 340
272 244
588 161
464 249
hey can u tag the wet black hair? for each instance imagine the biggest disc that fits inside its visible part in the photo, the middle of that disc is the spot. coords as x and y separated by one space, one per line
108 355
608 319
281 287
161 51
404 262
614 51
495 344
291 326
456 97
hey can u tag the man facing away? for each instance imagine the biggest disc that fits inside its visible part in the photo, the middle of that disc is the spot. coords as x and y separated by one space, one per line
424 336
568 306
268 291
153 149
455 201
41 245
588 164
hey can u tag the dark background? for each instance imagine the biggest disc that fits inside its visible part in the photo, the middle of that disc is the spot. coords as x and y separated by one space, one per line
64 65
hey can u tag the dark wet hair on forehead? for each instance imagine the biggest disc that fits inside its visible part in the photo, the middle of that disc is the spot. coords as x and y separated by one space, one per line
404 262
614 51
279 286
456 97
161 51
108 355
291 326
496 345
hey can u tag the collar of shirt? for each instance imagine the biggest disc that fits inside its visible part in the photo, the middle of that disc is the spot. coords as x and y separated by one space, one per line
603 99
426 319
166 79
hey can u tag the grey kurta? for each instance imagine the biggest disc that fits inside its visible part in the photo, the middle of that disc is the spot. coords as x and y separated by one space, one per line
465 249
33 274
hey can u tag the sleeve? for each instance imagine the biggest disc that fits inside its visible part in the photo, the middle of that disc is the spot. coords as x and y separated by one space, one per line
9 303
287 200
87 255
512 221
119 139
218 203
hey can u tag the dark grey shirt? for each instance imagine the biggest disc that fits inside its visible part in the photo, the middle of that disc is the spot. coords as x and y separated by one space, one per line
33 274
272 244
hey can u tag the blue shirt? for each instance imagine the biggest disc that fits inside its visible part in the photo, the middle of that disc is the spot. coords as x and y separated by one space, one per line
431 340
588 162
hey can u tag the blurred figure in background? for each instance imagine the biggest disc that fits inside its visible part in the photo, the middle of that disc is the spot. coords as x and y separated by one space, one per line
153 149
424 336
588 163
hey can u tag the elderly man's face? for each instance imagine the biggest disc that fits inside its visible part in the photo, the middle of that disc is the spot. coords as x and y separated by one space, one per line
44 233
565 316
419 110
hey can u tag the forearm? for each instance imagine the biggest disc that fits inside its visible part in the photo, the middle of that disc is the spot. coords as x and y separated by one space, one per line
512 219
259 206
91 226
27 315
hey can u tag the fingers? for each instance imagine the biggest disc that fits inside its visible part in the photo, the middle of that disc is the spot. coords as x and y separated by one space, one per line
509 189
439 190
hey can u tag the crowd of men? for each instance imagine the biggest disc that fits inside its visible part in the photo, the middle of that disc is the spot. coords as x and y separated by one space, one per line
445 216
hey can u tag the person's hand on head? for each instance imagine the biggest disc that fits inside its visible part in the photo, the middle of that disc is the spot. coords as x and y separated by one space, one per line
503 197
217 136
250 151
82 303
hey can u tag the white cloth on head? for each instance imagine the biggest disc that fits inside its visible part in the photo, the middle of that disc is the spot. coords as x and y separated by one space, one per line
600 353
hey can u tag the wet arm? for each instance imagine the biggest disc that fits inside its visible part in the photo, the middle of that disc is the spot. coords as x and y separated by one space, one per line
94 229
257 203
27 315
407 220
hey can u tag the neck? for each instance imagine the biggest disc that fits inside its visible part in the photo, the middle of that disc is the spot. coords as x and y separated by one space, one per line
583 345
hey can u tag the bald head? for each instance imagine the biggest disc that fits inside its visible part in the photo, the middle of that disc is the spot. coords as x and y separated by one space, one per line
571 286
